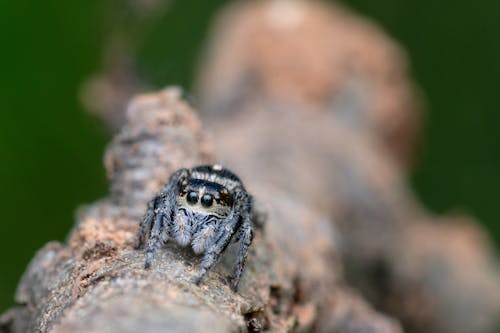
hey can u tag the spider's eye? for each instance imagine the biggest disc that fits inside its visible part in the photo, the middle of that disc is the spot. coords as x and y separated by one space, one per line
192 197
207 200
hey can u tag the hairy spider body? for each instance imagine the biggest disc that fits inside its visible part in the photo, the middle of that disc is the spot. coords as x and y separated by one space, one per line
206 207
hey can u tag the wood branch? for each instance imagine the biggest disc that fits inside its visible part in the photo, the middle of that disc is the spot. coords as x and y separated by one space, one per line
96 282
313 107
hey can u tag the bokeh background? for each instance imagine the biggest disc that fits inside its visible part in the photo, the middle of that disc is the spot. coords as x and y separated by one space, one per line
51 148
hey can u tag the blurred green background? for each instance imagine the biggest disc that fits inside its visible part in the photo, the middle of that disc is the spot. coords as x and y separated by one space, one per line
51 149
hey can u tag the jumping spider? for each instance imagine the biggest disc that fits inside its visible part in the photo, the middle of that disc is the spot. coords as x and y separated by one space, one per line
206 207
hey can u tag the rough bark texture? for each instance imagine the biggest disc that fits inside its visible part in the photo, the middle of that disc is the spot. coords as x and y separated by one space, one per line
96 281
316 100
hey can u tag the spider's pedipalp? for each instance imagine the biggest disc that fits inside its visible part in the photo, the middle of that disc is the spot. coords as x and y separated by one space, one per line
203 238
182 229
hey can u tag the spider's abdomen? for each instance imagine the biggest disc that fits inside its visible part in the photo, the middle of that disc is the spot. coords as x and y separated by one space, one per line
217 174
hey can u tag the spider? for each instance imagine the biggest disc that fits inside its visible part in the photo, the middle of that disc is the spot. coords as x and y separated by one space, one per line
206 207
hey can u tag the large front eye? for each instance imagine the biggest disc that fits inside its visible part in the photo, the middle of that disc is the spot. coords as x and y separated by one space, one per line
192 197
207 200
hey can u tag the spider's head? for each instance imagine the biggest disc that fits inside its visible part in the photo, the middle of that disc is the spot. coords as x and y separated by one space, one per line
205 197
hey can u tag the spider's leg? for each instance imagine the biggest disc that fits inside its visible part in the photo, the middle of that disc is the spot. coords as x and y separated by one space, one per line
246 237
169 192
145 226
224 232
244 234
163 209
155 242
166 229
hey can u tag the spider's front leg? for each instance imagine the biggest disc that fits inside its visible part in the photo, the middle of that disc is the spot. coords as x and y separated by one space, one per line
159 215
223 235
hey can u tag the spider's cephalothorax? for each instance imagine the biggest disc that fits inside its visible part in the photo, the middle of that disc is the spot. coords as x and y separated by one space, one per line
206 207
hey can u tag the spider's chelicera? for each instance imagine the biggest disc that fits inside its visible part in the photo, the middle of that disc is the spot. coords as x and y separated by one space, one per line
206 207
